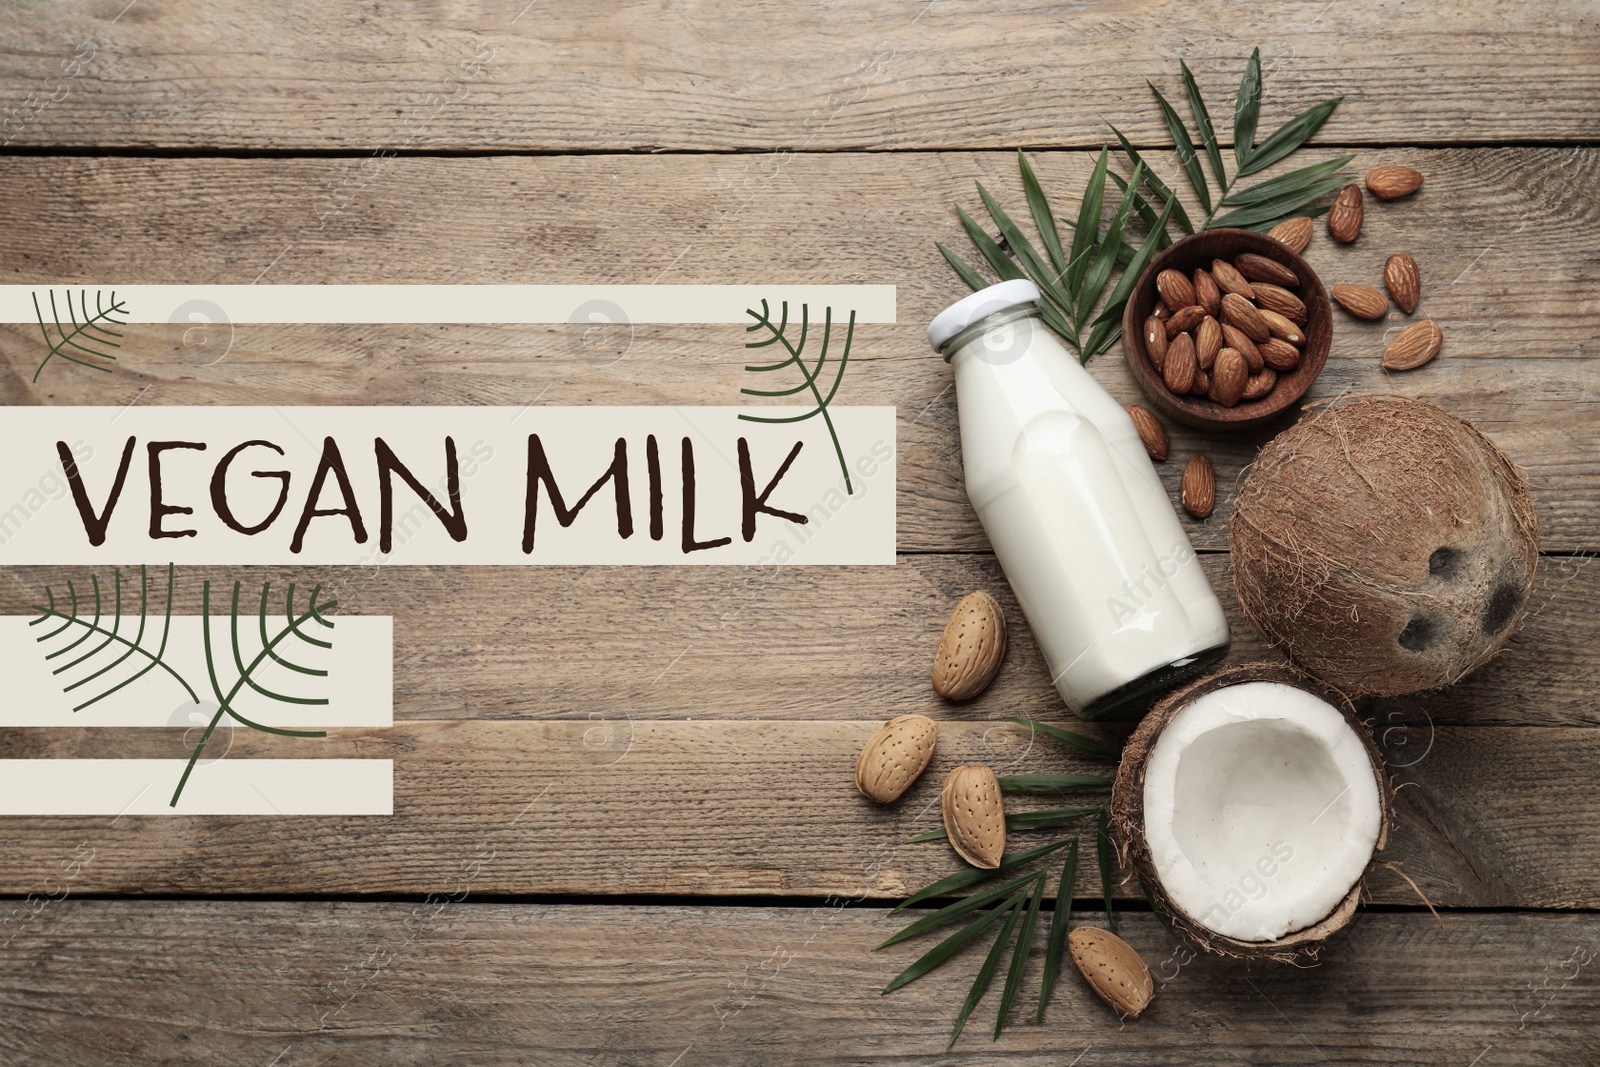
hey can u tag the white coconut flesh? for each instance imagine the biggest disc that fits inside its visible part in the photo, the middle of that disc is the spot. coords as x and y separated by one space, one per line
1261 810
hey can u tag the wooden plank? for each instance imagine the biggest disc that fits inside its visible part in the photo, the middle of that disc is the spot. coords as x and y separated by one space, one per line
698 75
417 983
1495 817
1516 312
809 643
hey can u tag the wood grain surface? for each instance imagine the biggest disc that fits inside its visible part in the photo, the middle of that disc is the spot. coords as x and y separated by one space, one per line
807 643
624 827
1493 817
1519 321
494 983
689 75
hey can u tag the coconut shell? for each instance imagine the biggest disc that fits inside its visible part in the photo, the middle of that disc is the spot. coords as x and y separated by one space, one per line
1384 545
1127 816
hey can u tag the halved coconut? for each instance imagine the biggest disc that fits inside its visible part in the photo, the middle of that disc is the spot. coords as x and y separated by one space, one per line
1252 803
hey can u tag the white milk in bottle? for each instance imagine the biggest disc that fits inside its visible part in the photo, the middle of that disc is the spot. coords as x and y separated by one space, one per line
1072 505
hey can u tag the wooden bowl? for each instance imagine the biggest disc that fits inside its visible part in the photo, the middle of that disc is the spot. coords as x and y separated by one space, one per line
1198 250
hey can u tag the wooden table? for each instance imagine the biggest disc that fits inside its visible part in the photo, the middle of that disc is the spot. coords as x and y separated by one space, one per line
624 829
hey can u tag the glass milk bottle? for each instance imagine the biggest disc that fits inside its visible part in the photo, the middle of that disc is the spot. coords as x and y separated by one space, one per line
1079 520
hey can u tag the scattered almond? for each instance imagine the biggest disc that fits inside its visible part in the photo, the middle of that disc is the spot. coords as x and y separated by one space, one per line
1344 217
1362 301
895 756
1113 970
1207 342
1184 319
1279 355
1175 289
1260 384
1230 280
1283 328
1179 369
1414 346
974 815
1271 297
1150 431
970 649
1261 269
1391 182
1228 378
1240 313
1294 234
1401 278
1199 487
1206 293
1155 340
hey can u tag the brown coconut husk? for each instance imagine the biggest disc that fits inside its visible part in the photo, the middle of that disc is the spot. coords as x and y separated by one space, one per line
1127 817
1385 546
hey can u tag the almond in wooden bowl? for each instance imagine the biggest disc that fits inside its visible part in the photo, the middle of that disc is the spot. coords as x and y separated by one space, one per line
1203 250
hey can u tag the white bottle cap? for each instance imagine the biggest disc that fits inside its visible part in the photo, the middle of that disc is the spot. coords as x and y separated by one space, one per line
970 309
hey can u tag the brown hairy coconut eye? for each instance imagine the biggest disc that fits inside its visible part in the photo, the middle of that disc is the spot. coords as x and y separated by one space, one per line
1386 546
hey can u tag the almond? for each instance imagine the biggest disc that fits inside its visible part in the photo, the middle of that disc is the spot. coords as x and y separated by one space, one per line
1240 313
1362 301
1294 234
970 649
1184 319
1234 338
1199 486
1261 269
1230 280
1155 340
1178 371
1276 298
1344 217
1161 311
1150 431
1391 182
1282 328
1279 355
1415 345
1113 970
1260 384
1206 293
1404 283
974 815
1228 378
1201 384
1174 288
1207 342
895 756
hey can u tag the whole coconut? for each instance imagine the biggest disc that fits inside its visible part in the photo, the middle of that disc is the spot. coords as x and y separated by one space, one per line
1386 546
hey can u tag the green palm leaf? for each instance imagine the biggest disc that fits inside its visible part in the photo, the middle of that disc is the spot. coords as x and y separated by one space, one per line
1295 184
1019 955
980 984
945 949
1022 821
1087 232
1202 122
1289 136
1066 737
1043 218
974 875
1102 844
1185 149
1247 110
1060 919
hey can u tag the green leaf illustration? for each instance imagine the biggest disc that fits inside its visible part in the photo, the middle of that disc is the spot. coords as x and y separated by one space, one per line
90 332
98 682
810 375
